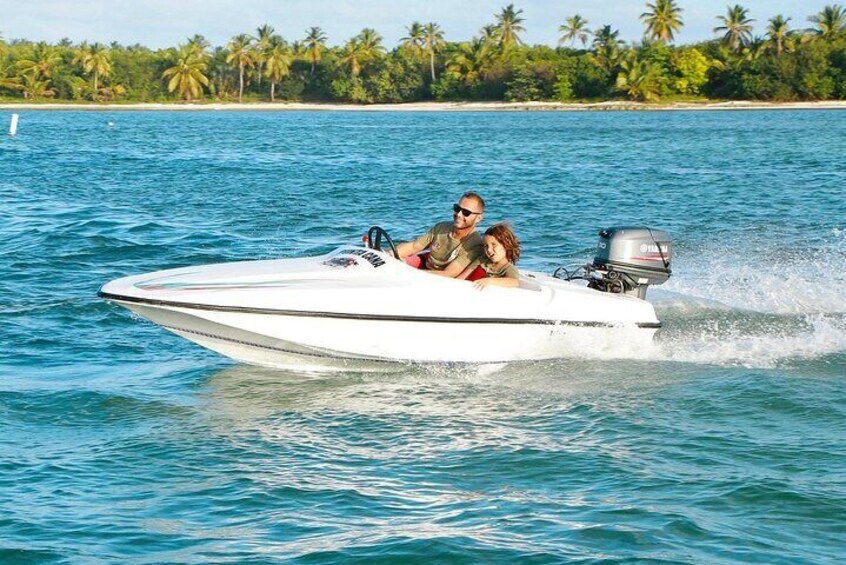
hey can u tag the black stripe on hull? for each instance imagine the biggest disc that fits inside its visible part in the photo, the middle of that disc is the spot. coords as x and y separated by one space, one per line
347 316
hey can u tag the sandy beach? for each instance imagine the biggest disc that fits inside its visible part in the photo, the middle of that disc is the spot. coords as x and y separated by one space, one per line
435 106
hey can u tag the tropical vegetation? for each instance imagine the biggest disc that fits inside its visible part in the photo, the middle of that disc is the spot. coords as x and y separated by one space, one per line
786 62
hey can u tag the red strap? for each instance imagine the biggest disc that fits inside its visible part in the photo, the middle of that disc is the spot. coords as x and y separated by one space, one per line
476 274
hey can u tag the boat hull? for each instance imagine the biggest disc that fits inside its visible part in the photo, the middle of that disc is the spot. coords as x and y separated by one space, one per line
306 341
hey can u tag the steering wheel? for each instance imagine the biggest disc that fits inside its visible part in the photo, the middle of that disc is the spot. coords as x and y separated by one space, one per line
374 240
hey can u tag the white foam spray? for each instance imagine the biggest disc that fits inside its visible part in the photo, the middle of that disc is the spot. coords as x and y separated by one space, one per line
757 306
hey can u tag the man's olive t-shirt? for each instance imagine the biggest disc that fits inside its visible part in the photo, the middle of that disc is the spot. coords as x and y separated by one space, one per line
445 249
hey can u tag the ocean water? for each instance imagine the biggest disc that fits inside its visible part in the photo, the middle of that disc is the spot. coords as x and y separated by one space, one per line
122 443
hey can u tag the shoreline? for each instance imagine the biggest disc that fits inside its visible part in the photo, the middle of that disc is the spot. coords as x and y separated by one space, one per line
431 106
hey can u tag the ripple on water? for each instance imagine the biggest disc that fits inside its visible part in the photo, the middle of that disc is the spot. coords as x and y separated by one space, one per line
123 443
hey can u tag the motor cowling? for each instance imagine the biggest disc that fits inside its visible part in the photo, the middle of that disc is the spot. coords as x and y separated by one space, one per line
630 259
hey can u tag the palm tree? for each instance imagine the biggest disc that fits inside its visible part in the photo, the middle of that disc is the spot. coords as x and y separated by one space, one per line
352 55
219 73
298 49
94 59
37 72
639 79
508 25
265 41
264 34
369 46
371 42
755 50
278 65
737 27
188 74
606 46
199 45
414 40
575 28
662 20
44 59
469 61
778 31
831 21
315 42
35 87
433 40
240 56
605 37
490 34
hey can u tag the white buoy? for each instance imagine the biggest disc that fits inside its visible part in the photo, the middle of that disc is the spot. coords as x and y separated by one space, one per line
13 127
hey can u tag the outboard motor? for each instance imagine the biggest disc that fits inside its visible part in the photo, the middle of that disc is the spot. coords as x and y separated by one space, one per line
627 261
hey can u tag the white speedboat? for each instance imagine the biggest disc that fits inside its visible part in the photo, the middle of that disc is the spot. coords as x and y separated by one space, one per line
362 308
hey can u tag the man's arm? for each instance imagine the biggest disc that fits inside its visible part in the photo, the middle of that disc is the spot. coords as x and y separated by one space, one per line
463 265
407 248
453 270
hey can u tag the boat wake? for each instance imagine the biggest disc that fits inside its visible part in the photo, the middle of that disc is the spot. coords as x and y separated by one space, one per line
749 339
785 308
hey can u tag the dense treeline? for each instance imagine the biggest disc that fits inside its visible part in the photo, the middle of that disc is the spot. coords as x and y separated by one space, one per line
787 63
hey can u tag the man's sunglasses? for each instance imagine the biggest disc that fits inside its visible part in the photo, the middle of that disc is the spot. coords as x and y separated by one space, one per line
467 213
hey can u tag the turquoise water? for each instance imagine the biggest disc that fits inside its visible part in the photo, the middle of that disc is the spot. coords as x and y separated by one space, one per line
120 442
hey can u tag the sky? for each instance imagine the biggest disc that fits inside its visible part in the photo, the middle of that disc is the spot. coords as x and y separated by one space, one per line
166 23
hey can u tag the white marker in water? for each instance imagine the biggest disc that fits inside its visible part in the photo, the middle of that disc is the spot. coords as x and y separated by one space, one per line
13 127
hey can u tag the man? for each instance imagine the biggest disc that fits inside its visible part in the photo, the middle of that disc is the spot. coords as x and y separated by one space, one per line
451 246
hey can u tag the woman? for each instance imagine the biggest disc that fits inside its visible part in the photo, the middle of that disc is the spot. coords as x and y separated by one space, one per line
496 268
